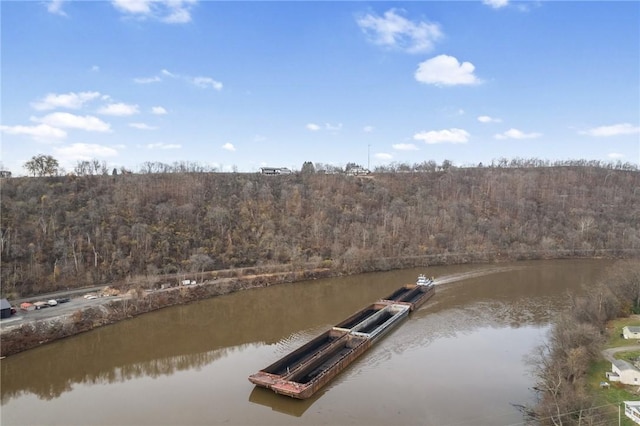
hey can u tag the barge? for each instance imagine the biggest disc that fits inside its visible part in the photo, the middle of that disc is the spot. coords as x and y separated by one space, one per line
302 372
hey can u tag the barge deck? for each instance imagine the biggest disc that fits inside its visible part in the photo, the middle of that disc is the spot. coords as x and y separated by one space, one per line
302 372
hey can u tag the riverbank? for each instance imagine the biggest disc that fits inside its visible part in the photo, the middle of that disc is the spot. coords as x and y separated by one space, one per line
35 329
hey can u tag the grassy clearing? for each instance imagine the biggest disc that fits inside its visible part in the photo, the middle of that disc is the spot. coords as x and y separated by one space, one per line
616 392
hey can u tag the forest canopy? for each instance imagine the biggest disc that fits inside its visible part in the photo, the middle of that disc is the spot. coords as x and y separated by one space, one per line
73 231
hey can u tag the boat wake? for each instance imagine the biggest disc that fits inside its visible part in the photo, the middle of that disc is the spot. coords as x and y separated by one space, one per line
473 274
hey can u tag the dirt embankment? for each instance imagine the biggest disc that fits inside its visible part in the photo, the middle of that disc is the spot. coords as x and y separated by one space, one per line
32 333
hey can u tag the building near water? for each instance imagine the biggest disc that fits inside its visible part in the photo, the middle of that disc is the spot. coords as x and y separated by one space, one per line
632 410
631 332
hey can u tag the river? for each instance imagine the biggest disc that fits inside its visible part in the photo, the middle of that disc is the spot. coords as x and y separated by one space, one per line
461 359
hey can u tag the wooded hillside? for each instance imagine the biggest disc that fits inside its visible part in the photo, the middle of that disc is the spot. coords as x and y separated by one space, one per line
65 232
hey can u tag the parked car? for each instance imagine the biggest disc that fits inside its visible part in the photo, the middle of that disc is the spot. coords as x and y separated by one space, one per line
63 300
41 305
52 302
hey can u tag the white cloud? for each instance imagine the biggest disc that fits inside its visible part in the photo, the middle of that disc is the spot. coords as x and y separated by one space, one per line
133 6
158 110
443 136
200 81
517 134
393 30
368 129
95 68
67 120
55 7
613 130
447 71
496 4
41 132
168 11
142 126
147 80
383 156
333 127
206 82
161 145
177 16
405 147
615 156
119 109
69 100
84 151
313 127
487 119
228 146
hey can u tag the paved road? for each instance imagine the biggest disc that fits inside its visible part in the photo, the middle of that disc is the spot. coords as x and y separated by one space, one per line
73 305
608 353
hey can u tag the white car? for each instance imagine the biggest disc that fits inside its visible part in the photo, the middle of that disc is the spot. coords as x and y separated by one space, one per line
52 302
90 296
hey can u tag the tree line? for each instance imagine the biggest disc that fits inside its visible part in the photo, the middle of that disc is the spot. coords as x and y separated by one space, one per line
46 165
71 231
561 366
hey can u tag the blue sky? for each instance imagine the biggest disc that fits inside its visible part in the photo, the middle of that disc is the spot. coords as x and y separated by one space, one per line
241 85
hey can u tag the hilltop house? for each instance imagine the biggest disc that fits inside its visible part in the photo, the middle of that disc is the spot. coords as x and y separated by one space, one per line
631 332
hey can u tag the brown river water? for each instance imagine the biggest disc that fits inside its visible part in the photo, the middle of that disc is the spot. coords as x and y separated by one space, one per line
459 360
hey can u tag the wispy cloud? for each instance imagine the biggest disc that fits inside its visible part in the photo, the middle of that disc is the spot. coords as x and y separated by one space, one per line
517 134
404 147
69 100
200 81
395 31
84 151
161 145
615 156
147 80
71 121
368 129
55 7
613 130
142 126
445 70
206 82
158 110
228 147
453 135
487 119
40 132
383 156
168 11
327 126
496 4
119 109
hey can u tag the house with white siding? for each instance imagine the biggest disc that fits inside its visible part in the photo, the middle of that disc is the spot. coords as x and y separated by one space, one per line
631 332
632 410
624 372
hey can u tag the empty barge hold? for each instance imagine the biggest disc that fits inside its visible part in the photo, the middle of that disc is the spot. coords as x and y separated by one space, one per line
304 371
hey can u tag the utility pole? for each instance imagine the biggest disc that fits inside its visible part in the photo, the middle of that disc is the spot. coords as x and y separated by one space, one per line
369 157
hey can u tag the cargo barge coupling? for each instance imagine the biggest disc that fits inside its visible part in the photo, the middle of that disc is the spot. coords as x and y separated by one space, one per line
302 372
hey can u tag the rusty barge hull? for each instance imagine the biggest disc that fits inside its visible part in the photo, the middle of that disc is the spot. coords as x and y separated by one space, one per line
302 372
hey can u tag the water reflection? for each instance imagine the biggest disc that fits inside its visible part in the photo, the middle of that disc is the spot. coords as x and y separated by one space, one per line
289 406
279 319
